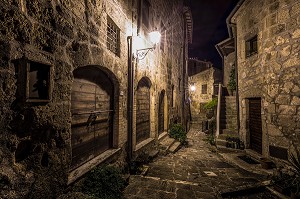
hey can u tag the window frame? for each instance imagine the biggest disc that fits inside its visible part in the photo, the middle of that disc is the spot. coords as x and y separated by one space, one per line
202 89
24 82
251 46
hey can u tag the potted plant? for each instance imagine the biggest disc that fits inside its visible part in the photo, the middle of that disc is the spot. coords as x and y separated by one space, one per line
232 81
210 108
294 162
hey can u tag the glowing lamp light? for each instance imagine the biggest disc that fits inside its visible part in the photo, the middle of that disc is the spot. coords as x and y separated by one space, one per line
193 87
155 37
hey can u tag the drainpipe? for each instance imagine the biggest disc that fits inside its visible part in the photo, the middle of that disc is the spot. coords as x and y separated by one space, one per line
236 76
218 111
184 122
130 96
234 34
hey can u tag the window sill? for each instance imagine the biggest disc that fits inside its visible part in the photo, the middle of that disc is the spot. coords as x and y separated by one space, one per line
83 169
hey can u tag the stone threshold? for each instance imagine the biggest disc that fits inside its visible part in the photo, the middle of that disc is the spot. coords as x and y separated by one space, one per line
86 167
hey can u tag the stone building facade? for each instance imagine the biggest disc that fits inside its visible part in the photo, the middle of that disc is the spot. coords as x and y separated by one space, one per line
267 35
205 85
63 94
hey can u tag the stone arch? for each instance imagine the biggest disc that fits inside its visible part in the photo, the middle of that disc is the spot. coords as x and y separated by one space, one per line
143 110
94 108
162 112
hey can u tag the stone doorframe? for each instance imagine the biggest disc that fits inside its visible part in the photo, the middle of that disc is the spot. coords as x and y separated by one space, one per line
165 111
152 111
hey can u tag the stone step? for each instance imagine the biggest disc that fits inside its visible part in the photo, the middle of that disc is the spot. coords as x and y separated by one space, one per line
221 142
227 133
166 143
175 147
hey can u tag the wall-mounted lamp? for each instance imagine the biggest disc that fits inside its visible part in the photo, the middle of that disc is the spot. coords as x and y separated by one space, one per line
154 38
193 87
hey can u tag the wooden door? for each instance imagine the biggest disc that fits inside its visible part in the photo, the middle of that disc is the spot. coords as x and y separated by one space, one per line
255 125
142 113
161 113
91 110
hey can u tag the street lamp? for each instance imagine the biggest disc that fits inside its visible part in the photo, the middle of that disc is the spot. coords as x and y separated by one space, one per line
140 54
193 87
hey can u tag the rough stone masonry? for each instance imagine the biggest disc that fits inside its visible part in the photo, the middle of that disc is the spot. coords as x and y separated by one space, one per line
46 41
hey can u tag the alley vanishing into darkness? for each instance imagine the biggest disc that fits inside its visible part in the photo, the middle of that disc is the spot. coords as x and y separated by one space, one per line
195 171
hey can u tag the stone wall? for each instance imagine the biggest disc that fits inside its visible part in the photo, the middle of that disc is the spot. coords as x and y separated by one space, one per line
35 150
273 73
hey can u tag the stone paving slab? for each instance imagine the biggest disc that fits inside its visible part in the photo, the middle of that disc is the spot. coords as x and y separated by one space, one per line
183 175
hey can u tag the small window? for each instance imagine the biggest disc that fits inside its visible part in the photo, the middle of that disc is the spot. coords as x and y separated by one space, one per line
113 36
204 89
251 46
33 80
145 12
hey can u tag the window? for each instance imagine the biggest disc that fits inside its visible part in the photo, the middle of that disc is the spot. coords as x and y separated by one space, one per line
145 12
204 89
113 37
251 46
33 80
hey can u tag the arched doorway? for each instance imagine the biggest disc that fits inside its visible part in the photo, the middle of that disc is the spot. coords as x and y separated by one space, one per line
161 110
143 110
92 101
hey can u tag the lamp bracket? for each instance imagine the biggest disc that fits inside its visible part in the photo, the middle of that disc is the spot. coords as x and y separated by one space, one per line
141 53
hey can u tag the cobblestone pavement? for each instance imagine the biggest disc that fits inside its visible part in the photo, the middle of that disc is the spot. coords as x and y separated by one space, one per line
195 171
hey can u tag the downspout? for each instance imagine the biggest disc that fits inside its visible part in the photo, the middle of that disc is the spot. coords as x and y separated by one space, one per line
219 110
236 76
234 34
183 76
130 96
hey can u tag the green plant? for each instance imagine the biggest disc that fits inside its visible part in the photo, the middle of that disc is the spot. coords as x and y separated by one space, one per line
211 104
232 81
104 182
211 139
177 132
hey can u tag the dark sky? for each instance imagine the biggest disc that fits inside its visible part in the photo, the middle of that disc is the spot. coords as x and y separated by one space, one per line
209 23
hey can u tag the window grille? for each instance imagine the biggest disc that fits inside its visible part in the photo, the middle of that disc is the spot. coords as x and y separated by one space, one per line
113 37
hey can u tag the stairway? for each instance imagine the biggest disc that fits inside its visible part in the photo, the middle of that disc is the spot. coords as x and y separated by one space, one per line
197 119
228 115
168 144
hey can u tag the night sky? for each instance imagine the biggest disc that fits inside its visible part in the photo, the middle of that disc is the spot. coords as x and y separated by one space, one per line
209 24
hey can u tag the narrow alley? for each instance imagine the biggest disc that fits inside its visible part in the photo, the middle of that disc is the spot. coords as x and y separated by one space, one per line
195 171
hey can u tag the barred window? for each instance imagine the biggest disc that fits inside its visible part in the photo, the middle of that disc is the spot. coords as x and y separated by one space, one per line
113 37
